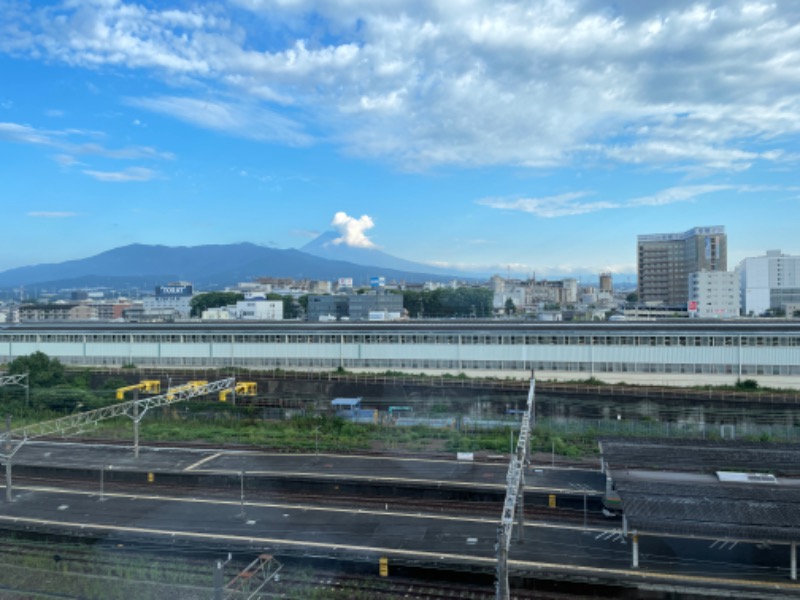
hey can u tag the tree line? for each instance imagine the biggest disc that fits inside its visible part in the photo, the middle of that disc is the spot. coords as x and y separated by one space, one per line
447 303
442 303
293 307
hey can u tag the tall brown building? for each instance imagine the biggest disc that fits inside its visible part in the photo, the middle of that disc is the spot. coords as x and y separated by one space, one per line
665 261
606 282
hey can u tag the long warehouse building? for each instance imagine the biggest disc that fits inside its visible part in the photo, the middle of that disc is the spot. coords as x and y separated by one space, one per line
656 353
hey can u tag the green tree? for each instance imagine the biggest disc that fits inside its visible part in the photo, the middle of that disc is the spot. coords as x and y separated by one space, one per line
632 298
63 399
208 300
511 308
445 303
292 307
42 370
747 384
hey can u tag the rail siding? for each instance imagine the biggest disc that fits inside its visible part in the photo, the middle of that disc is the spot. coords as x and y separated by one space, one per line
509 385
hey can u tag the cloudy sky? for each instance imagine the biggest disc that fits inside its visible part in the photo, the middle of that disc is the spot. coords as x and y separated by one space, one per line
484 134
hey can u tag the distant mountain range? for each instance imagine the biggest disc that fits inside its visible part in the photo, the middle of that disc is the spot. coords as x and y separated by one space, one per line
323 246
216 266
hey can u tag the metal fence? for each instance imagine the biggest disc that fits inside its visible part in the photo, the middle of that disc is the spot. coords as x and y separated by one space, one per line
477 383
664 429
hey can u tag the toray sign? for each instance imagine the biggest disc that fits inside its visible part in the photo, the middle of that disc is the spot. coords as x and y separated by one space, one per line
173 290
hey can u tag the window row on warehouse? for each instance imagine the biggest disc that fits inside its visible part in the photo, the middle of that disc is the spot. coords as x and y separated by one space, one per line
436 364
397 339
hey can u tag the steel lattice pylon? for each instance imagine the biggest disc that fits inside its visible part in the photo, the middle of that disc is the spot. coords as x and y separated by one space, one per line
12 441
17 379
515 497
13 379
253 579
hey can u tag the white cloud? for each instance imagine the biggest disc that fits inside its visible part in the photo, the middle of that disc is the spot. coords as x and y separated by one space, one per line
550 206
129 174
66 160
305 233
571 204
14 132
352 230
681 84
242 120
523 270
52 214
65 140
679 194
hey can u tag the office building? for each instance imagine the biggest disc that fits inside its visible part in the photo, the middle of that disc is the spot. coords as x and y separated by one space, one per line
259 309
363 306
714 295
665 261
328 308
606 282
769 282
173 299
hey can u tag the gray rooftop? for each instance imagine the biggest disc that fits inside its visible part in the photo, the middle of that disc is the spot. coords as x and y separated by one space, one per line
702 456
673 487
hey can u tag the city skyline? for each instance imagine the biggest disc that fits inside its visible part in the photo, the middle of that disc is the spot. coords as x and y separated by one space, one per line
478 135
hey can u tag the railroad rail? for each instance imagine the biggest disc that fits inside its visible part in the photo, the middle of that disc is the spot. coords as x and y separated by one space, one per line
294 581
477 508
475 383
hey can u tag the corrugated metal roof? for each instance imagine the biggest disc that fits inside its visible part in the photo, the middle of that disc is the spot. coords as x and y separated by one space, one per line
679 492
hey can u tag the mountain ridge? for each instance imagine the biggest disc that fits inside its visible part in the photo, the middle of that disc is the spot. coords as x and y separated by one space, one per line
206 266
324 246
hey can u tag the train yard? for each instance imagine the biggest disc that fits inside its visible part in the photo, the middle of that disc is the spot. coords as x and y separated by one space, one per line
416 513
388 522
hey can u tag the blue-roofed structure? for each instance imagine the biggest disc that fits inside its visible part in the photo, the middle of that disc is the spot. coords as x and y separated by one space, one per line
351 404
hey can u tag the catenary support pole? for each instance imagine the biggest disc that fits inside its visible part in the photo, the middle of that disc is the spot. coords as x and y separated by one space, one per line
135 424
584 510
9 490
241 489
9 495
521 508
218 580
502 567
513 506
793 573
635 563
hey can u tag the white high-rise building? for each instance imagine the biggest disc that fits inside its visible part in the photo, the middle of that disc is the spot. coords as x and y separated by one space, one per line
768 282
714 295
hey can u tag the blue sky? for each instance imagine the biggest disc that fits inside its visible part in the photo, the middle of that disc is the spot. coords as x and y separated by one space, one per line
478 134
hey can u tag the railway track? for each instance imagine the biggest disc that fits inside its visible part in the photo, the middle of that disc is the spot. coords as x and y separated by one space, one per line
480 457
398 504
295 582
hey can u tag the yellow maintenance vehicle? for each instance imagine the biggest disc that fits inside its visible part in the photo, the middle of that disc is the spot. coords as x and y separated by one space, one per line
186 386
149 386
243 388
